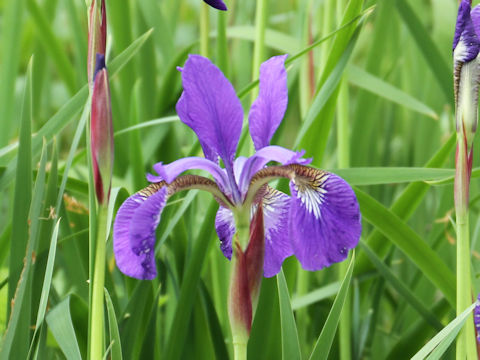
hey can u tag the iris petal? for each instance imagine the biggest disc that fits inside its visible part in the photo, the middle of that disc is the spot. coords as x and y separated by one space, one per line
170 171
466 44
225 227
210 106
130 258
276 206
268 110
324 219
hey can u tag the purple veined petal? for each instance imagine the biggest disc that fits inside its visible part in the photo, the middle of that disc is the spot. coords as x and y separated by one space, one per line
276 207
217 4
170 171
268 110
466 44
262 157
210 106
325 219
132 260
225 227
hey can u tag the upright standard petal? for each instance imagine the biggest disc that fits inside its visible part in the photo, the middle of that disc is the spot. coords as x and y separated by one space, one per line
217 4
210 106
268 110
276 206
466 44
133 255
476 318
324 218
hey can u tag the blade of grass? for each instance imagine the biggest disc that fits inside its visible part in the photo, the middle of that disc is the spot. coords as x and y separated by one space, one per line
59 320
116 346
290 344
325 340
409 242
445 336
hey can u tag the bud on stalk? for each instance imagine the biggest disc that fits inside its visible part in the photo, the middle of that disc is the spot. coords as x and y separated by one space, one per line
245 283
97 36
101 131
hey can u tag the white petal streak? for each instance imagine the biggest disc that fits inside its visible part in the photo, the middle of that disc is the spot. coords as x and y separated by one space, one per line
312 194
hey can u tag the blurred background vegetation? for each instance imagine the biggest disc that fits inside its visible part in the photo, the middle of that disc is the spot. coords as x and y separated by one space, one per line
374 101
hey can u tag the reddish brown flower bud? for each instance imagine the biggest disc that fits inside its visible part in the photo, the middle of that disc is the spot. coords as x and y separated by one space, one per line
101 131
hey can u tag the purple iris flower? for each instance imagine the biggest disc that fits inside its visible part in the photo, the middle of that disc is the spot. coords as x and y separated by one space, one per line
318 222
217 4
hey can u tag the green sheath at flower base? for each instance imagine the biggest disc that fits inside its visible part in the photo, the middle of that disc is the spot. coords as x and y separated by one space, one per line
101 132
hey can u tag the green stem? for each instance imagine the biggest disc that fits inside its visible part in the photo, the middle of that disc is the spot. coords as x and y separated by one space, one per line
466 347
239 351
97 325
343 149
259 44
204 29
222 51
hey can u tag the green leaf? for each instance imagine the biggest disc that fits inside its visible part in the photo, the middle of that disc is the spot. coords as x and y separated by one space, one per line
116 346
431 53
409 242
316 295
392 175
290 344
401 287
359 77
325 340
59 320
444 338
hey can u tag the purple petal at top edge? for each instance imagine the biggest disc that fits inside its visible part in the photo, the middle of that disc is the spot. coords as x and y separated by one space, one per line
268 110
463 13
225 227
217 4
467 46
476 317
276 206
263 156
324 221
210 106
126 259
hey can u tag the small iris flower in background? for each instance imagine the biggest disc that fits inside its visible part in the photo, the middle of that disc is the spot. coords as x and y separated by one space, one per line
217 4
318 222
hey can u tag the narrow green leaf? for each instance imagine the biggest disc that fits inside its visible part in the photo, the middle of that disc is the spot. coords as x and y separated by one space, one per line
392 175
116 346
59 320
325 340
444 337
359 77
145 124
316 295
431 53
401 287
409 242
290 344
10 59
51 44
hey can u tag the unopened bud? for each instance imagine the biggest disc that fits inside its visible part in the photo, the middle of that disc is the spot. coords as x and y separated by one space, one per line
97 35
101 131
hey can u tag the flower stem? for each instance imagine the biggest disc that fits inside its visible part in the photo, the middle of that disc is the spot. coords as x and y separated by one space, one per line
239 351
96 349
466 347
204 29
259 44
